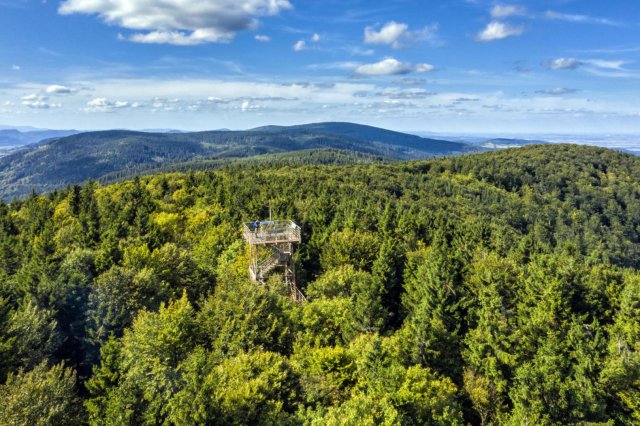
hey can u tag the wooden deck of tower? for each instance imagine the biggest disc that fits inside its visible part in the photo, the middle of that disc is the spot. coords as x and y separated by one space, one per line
271 245
271 232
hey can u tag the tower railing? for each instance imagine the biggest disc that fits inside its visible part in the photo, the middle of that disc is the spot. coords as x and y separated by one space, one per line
269 232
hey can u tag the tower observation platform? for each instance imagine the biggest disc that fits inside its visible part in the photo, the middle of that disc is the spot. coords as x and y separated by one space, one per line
271 248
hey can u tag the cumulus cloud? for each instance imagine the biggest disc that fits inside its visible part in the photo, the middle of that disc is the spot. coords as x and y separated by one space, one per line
41 105
247 105
498 31
505 11
391 66
564 64
106 105
556 91
179 22
15 67
420 68
315 38
397 34
300 45
57 89
389 34
263 38
385 67
168 104
35 101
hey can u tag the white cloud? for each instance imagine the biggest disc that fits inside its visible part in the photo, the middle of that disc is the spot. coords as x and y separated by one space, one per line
33 97
505 11
315 38
165 104
247 105
556 91
15 67
38 102
385 67
608 68
421 68
179 22
313 100
263 38
389 34
498 31
580 19
608 65
397 34
41 105
57 89
300 45
391 66
179 38
105 105
565 64
600 67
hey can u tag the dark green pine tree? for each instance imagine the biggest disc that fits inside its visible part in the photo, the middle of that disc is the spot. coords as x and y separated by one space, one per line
89 216
434 302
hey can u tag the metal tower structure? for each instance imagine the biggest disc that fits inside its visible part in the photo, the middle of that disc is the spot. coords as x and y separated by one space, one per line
271 247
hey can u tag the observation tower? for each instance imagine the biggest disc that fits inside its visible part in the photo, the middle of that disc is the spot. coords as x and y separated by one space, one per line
271 247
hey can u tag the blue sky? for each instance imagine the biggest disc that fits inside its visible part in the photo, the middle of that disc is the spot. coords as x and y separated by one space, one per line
458 66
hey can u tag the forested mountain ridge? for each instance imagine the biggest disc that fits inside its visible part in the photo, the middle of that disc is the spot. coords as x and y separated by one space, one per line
92 155
327 156
374 135
498 288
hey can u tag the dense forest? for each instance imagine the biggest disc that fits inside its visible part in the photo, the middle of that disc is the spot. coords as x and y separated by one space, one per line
498 288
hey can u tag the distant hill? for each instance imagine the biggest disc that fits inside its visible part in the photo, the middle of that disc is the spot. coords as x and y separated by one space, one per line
15 138
163 131
92 155
374 135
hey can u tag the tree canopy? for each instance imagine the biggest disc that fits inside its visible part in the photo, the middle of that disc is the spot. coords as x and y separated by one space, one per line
498 288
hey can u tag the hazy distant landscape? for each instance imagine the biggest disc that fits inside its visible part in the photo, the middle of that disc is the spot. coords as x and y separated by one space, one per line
43 160
629 142
14 139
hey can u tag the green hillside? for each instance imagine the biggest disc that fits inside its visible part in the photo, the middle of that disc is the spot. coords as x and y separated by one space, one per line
497 288
373 135
327 156
92 155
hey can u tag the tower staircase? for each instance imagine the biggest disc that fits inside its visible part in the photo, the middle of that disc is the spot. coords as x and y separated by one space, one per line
271 248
